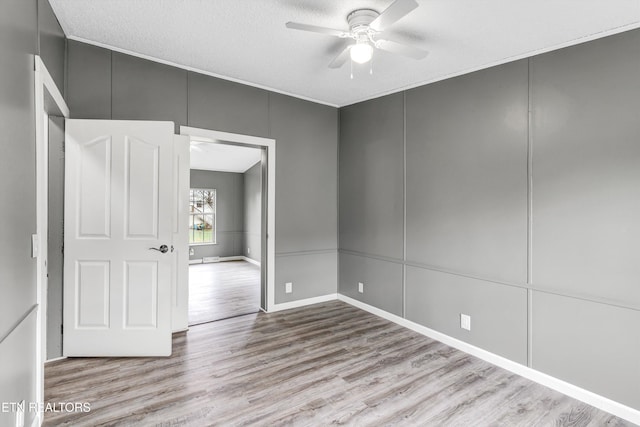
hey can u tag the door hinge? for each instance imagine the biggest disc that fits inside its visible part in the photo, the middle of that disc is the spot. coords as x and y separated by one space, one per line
61 329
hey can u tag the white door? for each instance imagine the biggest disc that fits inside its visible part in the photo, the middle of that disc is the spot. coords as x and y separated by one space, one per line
117 258
180 277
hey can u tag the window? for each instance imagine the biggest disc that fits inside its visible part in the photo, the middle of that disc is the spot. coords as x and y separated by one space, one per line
202 216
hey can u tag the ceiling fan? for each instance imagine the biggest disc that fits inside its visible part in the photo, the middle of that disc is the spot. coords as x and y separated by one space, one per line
365 31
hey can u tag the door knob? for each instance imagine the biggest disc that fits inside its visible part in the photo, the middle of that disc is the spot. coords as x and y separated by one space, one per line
164 249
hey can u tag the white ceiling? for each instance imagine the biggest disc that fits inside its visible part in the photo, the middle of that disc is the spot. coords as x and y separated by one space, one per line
247 41
223 157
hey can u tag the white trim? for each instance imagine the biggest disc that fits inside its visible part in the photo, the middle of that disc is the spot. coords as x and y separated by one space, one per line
43 84
556 384
508 59
50 85
302 302
36 420
528 54
252 261
40 288
198 70
55 359
225 258
207 135
215 259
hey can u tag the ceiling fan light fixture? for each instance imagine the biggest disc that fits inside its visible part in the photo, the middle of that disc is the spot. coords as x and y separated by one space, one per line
361 52
366 27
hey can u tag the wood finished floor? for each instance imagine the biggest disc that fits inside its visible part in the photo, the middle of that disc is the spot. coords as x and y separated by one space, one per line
223 289
315 366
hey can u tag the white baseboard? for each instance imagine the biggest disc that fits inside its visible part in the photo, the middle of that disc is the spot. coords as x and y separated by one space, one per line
55 359
208 260
586 396
252 261
302 302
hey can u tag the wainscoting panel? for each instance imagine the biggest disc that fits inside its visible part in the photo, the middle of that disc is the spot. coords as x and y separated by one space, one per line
589 344
498 312
382 281
312 274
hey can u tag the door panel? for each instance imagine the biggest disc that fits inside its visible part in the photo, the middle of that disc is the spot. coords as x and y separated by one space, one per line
92 281
141 294
94 198
141 186
118 208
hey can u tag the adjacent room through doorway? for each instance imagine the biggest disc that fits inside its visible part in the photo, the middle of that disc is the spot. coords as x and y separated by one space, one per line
225 231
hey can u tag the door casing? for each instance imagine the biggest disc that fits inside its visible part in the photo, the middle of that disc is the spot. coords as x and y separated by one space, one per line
48 101
268 257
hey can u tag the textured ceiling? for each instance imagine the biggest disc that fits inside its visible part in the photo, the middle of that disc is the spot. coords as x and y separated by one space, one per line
223 157
247 41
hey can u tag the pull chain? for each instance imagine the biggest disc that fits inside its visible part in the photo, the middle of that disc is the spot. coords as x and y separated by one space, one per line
351 62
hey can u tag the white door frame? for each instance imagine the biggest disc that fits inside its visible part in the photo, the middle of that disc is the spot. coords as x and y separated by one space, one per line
45 92
207 135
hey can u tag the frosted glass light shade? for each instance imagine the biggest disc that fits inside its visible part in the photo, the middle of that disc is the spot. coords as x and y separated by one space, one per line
361 53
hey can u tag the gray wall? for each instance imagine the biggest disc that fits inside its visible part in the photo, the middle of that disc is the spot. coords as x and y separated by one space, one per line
229 212
585 134
508 194
52 43
105 84
20 40
306 196
252 243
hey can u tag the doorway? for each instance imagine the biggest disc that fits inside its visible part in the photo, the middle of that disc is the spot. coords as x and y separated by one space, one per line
225 230
48 103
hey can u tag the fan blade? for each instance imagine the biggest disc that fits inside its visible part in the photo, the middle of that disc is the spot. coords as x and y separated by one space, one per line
342 57
316 29
393 13
401 49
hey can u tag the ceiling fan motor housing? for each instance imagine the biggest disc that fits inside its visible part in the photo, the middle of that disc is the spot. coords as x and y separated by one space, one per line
359 20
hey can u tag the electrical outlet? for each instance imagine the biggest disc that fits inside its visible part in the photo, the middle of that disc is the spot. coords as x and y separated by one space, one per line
248 251
288 287
20 414
465 321
361 287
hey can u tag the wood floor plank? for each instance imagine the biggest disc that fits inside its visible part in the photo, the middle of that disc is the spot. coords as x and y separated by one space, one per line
327 364
223 289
